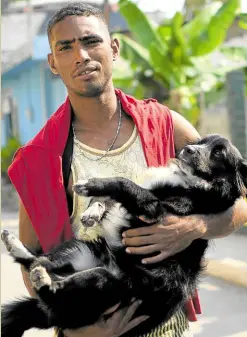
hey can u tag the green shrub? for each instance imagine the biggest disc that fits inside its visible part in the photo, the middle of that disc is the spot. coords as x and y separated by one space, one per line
7 153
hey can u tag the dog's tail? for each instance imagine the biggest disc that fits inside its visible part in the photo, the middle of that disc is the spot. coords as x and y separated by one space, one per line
21 315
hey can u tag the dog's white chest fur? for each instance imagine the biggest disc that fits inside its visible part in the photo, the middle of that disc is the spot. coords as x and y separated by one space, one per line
171 174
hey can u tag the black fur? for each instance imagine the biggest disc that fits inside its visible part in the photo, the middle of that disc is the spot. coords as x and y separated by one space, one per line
89 277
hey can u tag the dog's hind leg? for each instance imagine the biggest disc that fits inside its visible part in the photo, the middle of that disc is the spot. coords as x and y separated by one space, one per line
93 214
16 249
136 199
91 291
22 315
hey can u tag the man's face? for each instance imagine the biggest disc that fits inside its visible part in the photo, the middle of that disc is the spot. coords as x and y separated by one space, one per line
82 54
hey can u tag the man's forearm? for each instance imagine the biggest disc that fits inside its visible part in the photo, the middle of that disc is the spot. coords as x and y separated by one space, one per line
27 283
225 223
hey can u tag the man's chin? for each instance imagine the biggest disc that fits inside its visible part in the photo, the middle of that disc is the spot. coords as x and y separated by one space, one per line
92 91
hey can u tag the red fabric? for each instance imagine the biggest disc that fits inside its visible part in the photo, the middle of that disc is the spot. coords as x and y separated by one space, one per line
36 171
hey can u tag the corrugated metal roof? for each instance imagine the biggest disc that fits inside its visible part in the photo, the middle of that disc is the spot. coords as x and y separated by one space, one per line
17 32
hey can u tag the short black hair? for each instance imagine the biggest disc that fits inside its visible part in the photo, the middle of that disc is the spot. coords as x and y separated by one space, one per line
76 8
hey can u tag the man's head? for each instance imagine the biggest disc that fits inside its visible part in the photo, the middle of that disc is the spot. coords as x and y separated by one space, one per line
82 52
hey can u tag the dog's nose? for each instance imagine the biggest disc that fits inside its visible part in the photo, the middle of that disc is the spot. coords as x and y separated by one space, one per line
190 149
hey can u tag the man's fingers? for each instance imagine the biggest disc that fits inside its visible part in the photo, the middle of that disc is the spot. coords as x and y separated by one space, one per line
170 219
140 231
140 241
143 250
132 324
156 258
130 312
143 218
111 309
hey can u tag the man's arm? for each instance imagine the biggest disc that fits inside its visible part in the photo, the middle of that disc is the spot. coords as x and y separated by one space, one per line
29 238
222 224
184 131
177 233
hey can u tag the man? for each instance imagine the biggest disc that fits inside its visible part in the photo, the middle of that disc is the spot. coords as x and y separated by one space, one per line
113 135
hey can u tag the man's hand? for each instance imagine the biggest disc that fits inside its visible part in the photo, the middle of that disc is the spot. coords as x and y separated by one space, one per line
119 323
171 237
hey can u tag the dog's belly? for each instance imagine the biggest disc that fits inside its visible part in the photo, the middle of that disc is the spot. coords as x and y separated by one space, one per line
84 259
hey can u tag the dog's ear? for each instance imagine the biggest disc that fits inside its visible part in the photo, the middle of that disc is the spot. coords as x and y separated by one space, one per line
242 179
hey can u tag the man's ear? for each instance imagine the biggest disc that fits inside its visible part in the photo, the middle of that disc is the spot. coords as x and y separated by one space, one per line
52 64
115 48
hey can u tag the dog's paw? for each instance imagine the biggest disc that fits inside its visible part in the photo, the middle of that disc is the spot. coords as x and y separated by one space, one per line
55 286
151 211
14 246
5 236
93 214
80 187
39 278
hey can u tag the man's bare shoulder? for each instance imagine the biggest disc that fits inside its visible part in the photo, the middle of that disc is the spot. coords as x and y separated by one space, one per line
184 131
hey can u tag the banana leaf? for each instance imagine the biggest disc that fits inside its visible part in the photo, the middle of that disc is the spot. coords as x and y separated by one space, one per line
215 32
133 52
139 25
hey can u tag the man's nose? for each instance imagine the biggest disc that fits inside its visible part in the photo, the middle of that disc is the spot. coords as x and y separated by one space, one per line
81 55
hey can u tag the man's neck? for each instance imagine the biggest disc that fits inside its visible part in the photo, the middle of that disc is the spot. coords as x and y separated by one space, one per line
93 112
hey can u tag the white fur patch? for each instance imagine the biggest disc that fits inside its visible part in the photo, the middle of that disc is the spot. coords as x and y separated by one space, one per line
83 259
116 219
15 246
156 175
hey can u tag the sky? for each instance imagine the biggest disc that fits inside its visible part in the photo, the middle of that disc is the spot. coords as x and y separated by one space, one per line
167 6
170 7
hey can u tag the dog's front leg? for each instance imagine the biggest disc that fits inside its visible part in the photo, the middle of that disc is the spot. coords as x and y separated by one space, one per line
137 200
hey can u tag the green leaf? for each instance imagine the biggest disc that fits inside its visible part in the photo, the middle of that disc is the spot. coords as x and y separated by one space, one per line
194 27
243 20
177 43
164 32
132 51
234 53
163 66
139 25
215 32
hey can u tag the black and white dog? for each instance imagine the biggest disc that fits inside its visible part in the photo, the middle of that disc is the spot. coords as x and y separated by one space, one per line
79 280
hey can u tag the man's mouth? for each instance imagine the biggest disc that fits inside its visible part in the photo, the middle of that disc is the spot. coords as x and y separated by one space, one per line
85 71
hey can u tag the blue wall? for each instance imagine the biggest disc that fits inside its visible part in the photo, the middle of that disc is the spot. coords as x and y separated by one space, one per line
27 91
55 92
37 94
3 132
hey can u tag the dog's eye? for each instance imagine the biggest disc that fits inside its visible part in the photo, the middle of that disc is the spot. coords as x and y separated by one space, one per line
217 152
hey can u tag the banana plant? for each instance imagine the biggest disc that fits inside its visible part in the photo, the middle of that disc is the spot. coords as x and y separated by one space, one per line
169 61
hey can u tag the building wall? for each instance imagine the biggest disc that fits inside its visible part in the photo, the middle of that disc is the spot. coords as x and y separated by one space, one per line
55 92
37 94
26 90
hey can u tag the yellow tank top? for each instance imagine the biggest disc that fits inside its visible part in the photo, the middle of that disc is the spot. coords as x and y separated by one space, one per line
127 161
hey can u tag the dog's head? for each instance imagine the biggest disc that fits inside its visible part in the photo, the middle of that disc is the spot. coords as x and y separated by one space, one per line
214 157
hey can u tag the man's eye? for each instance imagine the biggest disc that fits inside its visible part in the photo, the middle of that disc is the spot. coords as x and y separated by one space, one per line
64 48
